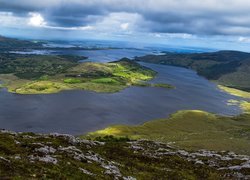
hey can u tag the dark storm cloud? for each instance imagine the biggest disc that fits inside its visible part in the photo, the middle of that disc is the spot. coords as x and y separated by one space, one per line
74 14
57 12
209 17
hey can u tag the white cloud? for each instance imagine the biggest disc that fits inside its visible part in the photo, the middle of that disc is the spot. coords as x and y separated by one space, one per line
158 35
83 28
244 39
37 20
118 23
124 26
7 19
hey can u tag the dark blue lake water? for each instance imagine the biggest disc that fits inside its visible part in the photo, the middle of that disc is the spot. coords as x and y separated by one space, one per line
79 112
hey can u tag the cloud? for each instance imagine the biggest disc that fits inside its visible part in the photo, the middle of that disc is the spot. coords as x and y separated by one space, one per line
36 20
124 26
80 28
244 39
209 17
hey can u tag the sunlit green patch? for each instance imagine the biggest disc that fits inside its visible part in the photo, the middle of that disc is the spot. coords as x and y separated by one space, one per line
105 80
245 106
72 81
235 92
44 87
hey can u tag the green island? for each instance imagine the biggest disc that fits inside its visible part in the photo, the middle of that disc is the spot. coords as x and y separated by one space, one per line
43 74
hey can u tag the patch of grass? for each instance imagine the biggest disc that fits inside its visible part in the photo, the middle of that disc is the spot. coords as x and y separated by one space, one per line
100 87
41 87
245 106
191 130
91 70
105 80
72 80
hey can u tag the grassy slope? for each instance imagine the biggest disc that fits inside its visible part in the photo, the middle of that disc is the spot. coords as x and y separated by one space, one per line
229 68
191 130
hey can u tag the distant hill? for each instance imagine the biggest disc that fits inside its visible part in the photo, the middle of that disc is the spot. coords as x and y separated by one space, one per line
229 68
16 44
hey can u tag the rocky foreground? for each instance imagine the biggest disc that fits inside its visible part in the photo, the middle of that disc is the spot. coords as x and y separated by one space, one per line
35 156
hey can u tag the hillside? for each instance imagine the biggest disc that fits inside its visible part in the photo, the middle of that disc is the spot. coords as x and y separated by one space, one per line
57 156
16 44
228 68
192 130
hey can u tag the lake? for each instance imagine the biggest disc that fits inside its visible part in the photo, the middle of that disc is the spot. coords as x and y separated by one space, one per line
79 112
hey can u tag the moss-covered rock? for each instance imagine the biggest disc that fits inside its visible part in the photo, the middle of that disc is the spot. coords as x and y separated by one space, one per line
58 156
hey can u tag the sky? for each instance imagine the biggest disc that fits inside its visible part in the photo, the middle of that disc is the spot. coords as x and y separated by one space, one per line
219 24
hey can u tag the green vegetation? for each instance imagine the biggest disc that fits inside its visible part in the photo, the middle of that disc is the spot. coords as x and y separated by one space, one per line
191 130
244 104
106 80
12 44
41 87
15 44
42 74
33 67
235 92
228 68
56 156
72 80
